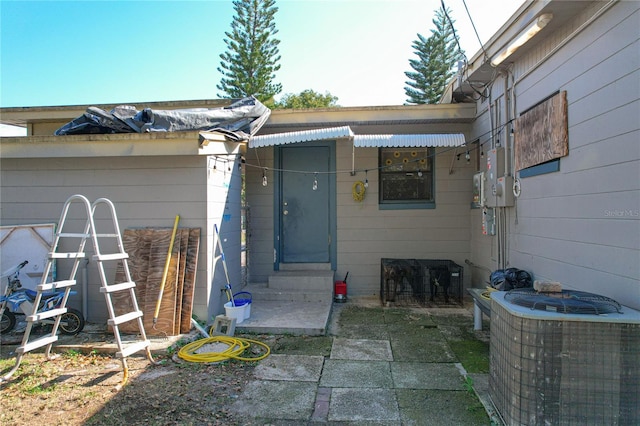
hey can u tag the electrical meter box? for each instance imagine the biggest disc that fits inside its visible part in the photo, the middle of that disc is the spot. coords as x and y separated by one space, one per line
488 222
498 187
479 197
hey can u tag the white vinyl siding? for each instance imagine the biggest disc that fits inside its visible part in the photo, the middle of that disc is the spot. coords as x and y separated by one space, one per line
581 225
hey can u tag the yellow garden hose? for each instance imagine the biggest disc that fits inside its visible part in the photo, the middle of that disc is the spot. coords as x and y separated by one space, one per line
487 293
358 190
236 346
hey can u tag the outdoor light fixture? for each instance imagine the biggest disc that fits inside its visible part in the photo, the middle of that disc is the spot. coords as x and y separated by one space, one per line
534 28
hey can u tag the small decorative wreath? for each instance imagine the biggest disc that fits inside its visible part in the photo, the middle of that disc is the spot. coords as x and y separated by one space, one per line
396 154
358 190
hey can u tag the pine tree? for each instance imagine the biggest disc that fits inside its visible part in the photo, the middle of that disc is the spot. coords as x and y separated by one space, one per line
251 60
437 56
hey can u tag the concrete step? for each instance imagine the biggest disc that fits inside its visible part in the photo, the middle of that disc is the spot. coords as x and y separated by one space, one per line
263 292
305 266
307 280
309 319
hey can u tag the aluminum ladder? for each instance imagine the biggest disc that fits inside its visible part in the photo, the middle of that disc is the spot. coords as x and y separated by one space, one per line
107 289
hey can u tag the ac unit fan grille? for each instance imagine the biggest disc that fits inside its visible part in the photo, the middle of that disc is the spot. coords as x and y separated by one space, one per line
566 301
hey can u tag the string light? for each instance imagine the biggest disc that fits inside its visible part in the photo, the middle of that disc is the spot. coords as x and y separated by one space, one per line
366 181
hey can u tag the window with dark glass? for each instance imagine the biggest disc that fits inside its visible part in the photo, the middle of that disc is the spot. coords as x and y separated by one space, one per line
406 176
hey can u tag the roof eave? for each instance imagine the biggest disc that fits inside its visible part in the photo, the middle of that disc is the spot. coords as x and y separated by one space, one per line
115 145
353 116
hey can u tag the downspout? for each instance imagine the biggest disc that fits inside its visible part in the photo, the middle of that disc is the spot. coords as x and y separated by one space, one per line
507 125
353 156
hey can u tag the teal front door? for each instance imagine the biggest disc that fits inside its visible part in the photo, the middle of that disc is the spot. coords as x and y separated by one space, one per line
306 203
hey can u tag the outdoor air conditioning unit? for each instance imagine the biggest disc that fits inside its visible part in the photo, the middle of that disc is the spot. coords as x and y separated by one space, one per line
568 359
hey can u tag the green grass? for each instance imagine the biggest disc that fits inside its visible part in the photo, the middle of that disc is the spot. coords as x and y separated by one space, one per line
473 355
303 345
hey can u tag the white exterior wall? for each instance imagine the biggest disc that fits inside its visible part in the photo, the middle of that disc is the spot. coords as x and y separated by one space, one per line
581 225
259 198
223 209
365 234
146 191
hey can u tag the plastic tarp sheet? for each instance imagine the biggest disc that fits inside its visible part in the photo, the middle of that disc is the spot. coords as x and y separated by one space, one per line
238 121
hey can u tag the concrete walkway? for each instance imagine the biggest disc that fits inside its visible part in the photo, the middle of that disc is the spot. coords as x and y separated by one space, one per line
386 367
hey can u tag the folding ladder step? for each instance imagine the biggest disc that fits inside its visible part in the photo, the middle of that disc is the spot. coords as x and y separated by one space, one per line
133 348
55 285
46 314
124 318
56 255
73 235
38 343
117 287
114 256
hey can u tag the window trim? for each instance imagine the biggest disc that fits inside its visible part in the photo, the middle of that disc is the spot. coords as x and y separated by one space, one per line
407 204
541 169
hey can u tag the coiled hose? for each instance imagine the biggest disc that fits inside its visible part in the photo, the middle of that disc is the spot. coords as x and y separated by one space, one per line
487 293
358 191
236 346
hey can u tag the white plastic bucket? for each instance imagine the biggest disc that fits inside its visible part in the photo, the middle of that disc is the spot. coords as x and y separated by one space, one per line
237 312
243 298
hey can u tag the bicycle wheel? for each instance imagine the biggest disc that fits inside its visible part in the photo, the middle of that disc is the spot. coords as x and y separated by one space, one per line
7 322
72 322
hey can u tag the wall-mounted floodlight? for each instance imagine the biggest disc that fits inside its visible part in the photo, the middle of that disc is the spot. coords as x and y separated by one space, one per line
539 23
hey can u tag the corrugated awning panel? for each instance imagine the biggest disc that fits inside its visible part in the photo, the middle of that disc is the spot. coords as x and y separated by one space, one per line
400 141
300 136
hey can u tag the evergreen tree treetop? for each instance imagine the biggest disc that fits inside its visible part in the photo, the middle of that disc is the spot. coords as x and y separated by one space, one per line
249 64
434 65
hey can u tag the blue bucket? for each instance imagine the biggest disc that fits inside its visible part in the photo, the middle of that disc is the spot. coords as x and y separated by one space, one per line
243 298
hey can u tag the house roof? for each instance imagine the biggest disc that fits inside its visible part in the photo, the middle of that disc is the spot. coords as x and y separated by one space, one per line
21 116
426 140
479 72
363 141
300 136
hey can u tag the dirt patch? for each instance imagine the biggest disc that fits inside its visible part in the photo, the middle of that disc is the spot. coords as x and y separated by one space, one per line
81 388
78 389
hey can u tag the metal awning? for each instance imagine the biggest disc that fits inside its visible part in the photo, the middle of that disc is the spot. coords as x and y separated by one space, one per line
300 136
409 141
361 141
